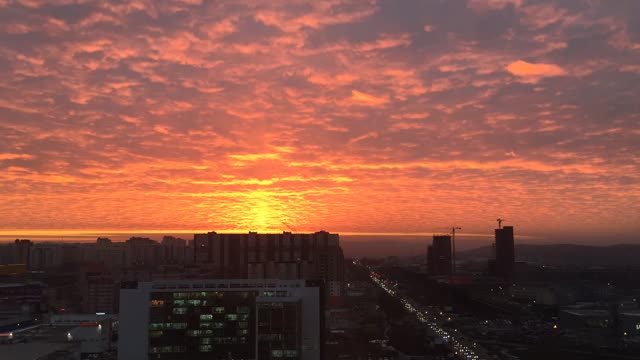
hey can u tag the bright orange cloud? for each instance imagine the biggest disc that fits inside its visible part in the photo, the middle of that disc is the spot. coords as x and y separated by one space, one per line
14 156
525 69
367 99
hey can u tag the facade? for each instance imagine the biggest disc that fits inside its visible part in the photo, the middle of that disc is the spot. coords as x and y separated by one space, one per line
505 252
220 319
142 252
22 251
439 255
22 299
174 250
99 291
287 256
50 255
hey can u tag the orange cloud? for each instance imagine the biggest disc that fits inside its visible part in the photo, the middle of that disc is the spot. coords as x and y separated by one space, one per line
530 70
367 99
370 135
8 156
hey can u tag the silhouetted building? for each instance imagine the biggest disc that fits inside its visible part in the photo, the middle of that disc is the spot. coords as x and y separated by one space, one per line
287 256
220 319
22 251
99 291
431 263
103 242
142 252
505 253
439 255
174 250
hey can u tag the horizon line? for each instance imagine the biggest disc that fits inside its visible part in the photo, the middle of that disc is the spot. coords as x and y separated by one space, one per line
61 233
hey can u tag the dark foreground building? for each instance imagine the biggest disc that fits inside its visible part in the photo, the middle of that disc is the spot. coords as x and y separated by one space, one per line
439 255
220 319
505 253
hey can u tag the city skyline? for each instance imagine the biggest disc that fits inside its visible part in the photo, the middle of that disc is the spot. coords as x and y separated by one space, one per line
356 117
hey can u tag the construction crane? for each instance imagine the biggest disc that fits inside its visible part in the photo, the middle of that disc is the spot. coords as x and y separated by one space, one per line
500 220
453 253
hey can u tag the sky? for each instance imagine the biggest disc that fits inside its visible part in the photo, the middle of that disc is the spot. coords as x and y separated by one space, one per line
358 117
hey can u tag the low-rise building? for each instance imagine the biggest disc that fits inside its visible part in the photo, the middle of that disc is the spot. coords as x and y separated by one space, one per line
204 319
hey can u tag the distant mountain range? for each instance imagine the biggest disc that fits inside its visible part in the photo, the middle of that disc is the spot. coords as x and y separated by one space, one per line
566 254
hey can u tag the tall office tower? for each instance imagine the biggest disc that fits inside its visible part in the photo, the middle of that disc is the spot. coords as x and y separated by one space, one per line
505 253
220 319
286 256
440 255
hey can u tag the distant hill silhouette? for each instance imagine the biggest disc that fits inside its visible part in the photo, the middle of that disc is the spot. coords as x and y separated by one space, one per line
566 254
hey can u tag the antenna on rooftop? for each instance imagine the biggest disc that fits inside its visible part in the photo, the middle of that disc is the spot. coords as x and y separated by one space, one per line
500 220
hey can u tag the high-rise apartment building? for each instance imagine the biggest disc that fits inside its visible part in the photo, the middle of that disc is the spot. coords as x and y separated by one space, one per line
220 319
505 252
439 255
174 250
22 251
142 252
316 256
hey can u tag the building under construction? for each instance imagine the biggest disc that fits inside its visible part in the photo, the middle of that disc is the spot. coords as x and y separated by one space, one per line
503 265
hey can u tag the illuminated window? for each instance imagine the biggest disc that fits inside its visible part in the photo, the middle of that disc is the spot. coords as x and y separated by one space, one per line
178 302
166 349
206 317
179 311
206 348
156 326
199 332
637 326
178 326
156 333
276 353
231 317
290 353
157 303
218 310
194 302
180 295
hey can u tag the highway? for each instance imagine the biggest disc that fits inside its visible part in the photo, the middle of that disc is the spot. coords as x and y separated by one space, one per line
433 318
